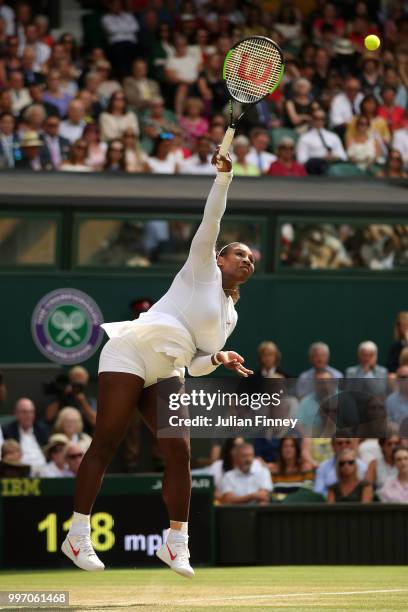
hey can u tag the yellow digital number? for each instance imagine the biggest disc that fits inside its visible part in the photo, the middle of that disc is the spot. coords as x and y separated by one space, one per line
102 535
49 525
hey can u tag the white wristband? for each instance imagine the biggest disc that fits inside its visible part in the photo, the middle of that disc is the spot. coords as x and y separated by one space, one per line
216 360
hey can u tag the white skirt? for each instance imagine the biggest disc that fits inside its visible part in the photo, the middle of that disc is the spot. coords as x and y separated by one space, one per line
154 347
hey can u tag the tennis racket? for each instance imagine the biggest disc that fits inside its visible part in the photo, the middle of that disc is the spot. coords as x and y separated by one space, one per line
252 70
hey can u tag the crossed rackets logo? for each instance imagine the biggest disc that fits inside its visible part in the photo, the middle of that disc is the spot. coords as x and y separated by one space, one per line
68 325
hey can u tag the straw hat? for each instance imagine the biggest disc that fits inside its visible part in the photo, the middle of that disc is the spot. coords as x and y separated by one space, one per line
55 440
31 139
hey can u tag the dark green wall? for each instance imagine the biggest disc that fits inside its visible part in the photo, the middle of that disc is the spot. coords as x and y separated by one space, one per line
293 311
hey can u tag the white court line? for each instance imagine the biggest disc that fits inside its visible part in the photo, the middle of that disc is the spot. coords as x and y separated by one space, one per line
284 595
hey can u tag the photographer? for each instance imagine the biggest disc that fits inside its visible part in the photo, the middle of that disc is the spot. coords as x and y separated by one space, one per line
71 391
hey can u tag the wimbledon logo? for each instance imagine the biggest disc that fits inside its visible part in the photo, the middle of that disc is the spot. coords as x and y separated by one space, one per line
66 326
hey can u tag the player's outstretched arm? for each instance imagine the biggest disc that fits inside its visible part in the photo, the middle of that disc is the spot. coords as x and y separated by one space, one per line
203 244
204 363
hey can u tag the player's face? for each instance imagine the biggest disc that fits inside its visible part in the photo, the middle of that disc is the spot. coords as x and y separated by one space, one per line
239 263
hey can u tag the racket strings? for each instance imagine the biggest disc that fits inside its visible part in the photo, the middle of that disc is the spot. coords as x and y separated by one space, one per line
253 69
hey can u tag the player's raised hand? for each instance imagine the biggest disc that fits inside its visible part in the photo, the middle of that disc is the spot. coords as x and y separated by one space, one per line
223 164
233 361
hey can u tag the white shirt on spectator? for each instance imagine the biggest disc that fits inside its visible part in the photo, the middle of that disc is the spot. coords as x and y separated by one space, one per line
113 126
185 68
243 483
20 98
162 166
120 28
194 165
8 15
342 110
400 142
310 145
51 470
71 131
32 453
260 159
42 54
216 470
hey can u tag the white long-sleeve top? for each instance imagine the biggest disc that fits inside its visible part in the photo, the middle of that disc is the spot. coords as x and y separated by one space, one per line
194 318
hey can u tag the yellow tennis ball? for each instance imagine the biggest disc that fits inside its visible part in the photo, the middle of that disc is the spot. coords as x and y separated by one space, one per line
372 42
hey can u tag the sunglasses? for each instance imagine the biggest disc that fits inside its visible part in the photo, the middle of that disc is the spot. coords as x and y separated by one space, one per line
75 456
348 462
166 136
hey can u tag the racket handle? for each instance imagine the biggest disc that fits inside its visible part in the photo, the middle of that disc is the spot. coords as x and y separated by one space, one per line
226 142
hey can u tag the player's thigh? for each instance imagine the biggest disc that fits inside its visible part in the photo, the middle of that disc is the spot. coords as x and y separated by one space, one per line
118 396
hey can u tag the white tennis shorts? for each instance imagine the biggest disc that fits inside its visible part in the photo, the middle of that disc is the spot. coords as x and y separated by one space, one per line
131 355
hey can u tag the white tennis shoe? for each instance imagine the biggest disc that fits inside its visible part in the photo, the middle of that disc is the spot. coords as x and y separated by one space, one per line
80 550
176 554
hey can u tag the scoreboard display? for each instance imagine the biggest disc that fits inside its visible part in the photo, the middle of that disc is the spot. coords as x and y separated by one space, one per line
128 521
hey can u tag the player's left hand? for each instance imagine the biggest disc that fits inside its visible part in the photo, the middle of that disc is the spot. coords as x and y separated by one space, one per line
233 361
223 164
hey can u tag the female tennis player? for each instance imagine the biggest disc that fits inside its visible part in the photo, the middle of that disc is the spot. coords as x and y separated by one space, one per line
188 326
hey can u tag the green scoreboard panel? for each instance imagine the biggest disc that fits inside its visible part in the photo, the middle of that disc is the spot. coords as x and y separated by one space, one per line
128 521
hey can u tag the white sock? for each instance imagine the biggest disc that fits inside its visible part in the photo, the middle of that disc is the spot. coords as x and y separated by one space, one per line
80 525
183 530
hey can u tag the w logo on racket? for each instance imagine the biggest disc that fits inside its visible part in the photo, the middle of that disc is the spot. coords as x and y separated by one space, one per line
250 70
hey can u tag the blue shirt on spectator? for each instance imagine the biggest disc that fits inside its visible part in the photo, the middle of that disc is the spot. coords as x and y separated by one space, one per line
306 380
397 407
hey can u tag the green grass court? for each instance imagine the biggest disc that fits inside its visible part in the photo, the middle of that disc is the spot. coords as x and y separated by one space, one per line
225 589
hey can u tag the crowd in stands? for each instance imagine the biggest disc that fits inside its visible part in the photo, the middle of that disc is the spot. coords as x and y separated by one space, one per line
336 452
142 91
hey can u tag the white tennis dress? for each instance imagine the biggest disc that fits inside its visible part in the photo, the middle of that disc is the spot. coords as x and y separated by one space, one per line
190 322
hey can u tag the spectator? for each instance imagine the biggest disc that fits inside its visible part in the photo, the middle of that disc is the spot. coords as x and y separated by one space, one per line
286 164
299 107
370 72
368 368
122 31
22 20
318 147
392 78
349 487
69 422
73 126
96 148
116 119
329 17
394 115
319 355
136 159
11 465
325 387
291 472
289 25
33 118
379 470
397 402
394 166
72 390
200 162
269 357
181 72
43 30
326 474
158 119
160 51
162 161
6 102
37 93
70 48
240 165
78 155
378 127
211 86
9 142
41 50
55 454
30 147
107 85
68 76
54 94
345 105
193 122
115 156
7 13
55 148
395 490
138 89
400 143
74 454
259 155
19 94
401 341
31 434
244 483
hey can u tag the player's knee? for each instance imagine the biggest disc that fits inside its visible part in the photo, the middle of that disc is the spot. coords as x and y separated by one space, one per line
104 448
